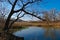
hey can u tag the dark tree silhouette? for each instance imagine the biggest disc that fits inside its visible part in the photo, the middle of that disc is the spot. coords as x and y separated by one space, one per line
6 27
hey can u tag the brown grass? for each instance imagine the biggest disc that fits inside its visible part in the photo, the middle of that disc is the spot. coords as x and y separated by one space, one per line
45 24
40 24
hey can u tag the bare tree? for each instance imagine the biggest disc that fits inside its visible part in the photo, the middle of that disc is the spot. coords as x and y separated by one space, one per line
53 15
46 15
23 8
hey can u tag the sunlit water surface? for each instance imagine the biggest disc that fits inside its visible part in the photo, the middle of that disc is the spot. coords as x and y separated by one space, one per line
37 33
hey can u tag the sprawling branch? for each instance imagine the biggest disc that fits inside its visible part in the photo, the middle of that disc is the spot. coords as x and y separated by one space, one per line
15 20
24 5
34 15
18 10
10 2
27 4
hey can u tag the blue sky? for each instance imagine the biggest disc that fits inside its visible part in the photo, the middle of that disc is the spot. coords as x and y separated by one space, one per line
44 5
52 4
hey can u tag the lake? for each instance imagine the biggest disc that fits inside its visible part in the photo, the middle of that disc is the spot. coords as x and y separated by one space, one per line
39 33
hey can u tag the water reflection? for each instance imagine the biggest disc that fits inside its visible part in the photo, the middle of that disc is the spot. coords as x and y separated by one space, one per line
39 33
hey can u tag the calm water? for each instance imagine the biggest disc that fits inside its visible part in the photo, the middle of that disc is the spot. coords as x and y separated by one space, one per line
38 33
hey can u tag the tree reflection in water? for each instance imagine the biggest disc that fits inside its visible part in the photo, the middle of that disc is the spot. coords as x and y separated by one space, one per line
50 32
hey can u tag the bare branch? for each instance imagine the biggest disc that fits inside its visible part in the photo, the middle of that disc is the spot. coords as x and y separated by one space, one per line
24 5
19 14
18 10
27 4
22 15
34 15
15 20
10 2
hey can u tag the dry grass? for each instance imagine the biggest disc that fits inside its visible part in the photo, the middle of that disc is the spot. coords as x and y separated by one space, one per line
40 24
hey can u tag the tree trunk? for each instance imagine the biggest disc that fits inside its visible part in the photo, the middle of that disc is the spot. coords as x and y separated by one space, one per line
6 27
